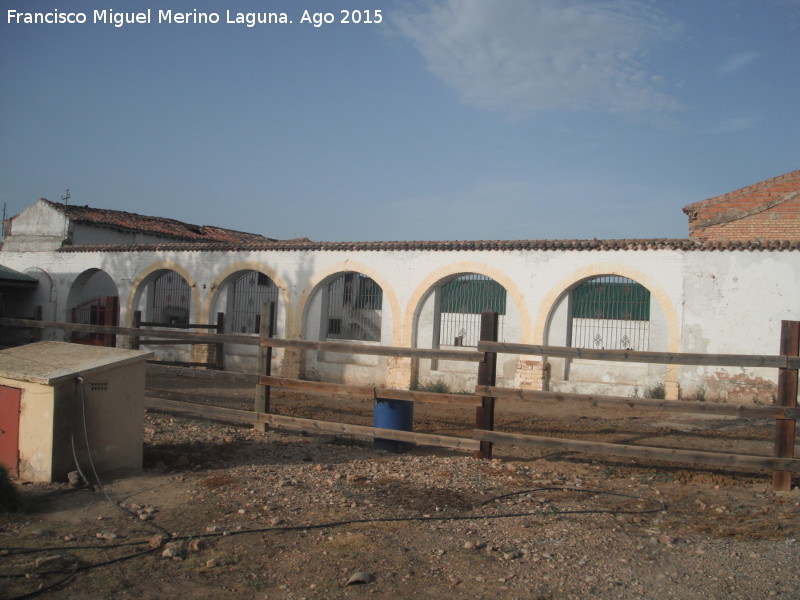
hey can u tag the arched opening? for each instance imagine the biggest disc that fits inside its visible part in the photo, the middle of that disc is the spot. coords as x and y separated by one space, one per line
353 309
93 300
241 298
164 299
169 300
346 306
449 317
610 312
607 311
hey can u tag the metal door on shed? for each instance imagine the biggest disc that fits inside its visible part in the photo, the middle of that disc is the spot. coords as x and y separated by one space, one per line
9 428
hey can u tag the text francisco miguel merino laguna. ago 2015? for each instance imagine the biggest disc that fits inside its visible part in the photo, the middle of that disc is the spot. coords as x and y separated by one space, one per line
194 17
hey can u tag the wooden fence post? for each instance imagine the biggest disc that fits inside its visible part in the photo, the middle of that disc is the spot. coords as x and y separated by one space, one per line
266 329
787 396
219 348
110 320
38 315
136 324
487 375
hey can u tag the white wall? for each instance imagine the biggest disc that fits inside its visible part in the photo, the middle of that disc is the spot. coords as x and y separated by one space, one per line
722 301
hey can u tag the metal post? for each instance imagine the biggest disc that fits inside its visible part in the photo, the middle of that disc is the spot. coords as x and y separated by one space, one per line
487 372
787 396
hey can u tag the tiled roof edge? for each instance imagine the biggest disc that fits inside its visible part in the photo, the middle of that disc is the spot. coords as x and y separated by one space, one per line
451 246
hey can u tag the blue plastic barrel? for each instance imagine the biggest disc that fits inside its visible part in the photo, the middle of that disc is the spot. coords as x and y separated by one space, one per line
393 414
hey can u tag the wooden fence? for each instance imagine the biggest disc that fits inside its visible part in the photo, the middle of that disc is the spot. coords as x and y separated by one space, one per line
782 463
218 347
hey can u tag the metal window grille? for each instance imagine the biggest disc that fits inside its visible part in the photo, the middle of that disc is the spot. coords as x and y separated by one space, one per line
611 313
171 299
355 304
250 291
462 301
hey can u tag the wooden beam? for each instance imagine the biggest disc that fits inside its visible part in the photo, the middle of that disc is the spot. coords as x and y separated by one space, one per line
692 457
313 426
365 391
318 386
487 373
203 374
232 415
663 358
786 396
250 340
427 397
375 350
203 411
704 408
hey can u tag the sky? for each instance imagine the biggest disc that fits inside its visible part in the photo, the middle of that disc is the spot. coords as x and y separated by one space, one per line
426 120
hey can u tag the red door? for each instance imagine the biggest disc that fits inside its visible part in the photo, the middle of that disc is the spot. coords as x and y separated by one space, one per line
9 428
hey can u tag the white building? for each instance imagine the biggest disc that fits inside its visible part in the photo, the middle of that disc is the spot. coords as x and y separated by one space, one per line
710 295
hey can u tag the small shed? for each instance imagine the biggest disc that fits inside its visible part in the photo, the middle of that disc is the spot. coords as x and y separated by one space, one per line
67 407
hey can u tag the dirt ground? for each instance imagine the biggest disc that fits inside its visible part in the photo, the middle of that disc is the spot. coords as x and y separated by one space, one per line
222 511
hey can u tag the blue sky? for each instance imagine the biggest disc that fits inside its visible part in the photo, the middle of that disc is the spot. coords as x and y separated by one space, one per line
450 119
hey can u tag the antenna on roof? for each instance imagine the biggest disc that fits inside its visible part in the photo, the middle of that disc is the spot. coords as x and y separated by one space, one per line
65 198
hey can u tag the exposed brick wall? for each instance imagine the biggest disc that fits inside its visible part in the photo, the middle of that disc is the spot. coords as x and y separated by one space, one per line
769 210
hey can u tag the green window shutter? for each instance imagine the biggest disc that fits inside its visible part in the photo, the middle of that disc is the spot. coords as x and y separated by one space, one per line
602 298
470 295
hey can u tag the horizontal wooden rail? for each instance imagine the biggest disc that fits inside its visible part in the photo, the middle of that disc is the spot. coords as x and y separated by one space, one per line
342 389
428 397
180 325
225 338
664 358
374 349
202 374
692 457
233 415
364 391
159 342
751 412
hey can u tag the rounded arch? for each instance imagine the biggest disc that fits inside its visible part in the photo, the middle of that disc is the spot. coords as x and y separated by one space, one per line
450 272
329 274
578 276
92 283
222 282
148 276
93 299
554 298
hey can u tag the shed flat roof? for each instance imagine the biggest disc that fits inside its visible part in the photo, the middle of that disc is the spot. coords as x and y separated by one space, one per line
51 362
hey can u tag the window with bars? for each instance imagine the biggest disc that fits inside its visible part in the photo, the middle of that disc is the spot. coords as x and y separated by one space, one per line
612 313
171 299
354 309
462 301
250 291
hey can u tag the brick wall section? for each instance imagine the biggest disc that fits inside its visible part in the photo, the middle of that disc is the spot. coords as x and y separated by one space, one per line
769 210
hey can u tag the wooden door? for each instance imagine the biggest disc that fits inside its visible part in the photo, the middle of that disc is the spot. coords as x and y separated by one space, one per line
9 428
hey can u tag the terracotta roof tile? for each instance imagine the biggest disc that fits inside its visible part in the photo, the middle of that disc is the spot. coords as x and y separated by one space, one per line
168 228
453 246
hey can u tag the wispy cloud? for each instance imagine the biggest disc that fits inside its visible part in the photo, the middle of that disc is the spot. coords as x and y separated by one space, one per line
522 57
736 124
737 62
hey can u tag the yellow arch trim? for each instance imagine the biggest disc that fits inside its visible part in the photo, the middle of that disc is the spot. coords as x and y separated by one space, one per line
250 265
161 266
656 291
427 284
343 267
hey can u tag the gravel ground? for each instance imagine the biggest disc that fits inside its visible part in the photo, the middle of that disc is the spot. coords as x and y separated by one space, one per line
280 515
